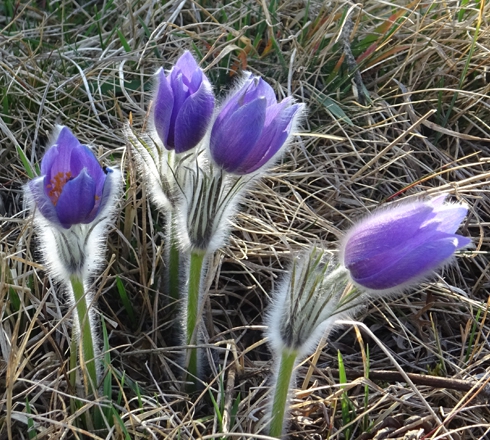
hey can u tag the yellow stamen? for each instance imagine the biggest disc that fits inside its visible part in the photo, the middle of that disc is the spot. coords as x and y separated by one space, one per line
55 187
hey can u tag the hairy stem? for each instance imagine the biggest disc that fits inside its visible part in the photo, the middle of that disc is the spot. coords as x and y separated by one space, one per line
73 373
87 358
173 262
281 391
194 286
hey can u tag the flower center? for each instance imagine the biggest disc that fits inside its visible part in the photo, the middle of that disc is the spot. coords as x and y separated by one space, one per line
55 187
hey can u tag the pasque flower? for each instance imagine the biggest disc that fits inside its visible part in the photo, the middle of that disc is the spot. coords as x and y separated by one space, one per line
74 199
71 188
387 251
183 105
305 305
251 127
402 244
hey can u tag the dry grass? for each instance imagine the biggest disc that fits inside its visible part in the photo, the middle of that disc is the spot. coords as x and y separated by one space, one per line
415 121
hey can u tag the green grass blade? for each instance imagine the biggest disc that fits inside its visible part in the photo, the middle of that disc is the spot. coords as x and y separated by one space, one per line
462 9
217 410
472 336
345 403
123 40
25 162
365 421
125 300
31 429
107 382
331 106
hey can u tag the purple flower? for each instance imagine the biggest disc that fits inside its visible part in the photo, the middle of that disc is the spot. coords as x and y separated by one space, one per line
251 127
183 105
72 187
400 245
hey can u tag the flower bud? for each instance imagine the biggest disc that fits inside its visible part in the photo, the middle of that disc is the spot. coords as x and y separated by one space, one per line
183 105
307 302
402 244
251 127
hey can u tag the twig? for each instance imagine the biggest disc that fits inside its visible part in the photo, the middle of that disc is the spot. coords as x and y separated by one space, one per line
420 379
230 385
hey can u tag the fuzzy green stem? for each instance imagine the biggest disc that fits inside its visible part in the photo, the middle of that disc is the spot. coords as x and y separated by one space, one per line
173 263
87 359
73 373
173 256
195 275
281 391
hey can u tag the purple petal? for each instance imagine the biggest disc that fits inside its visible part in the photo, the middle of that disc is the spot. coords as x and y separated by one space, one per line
449 217
254 87
232 139
403 243
384 230
162 107
263 89
48 159
198 78
180 92
283 110
77 200
438 200
193 119
272 139
236 100
66 138
83 157
90 162
187 65
185 79
42 201
101 200
57 158
375 259
463 242
394 269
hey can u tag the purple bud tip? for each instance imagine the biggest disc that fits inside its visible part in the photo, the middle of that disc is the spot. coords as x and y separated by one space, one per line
70 190
400 245
183 105
251 127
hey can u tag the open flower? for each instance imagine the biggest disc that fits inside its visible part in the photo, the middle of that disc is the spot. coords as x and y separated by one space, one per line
251 127
401 245
72 186
183 105
73 203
